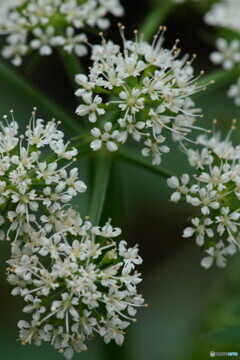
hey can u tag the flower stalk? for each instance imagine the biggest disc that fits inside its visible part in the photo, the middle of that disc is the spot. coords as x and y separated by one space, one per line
102 175
132 157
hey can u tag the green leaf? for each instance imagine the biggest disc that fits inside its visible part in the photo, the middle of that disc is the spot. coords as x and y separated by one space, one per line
236 311
156 17
12 77
229 335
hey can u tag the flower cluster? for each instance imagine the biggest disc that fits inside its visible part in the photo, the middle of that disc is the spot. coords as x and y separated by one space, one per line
75 279
215 191
44 24
149 90
225 13
35 184
228 54
75 286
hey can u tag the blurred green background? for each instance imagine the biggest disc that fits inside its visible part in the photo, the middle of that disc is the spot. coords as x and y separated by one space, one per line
185 301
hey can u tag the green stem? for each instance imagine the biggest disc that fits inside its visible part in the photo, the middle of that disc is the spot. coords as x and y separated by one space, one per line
102 174
113 351
220 77
72 66
156 17
12 77
83 136
132 157
115 196
83 149
3 178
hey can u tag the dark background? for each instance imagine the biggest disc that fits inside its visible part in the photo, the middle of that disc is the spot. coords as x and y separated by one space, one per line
185 301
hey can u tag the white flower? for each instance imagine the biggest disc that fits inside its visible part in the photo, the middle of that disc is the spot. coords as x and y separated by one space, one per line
227 221
29 332
107 230
228 54
131 101
60 148
92 108
42 42
199 229
182 188
199 159
131 128
15 53
71 181
218 253
83 81
130 256
154 149
106 137
218 176
74 43
205 197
